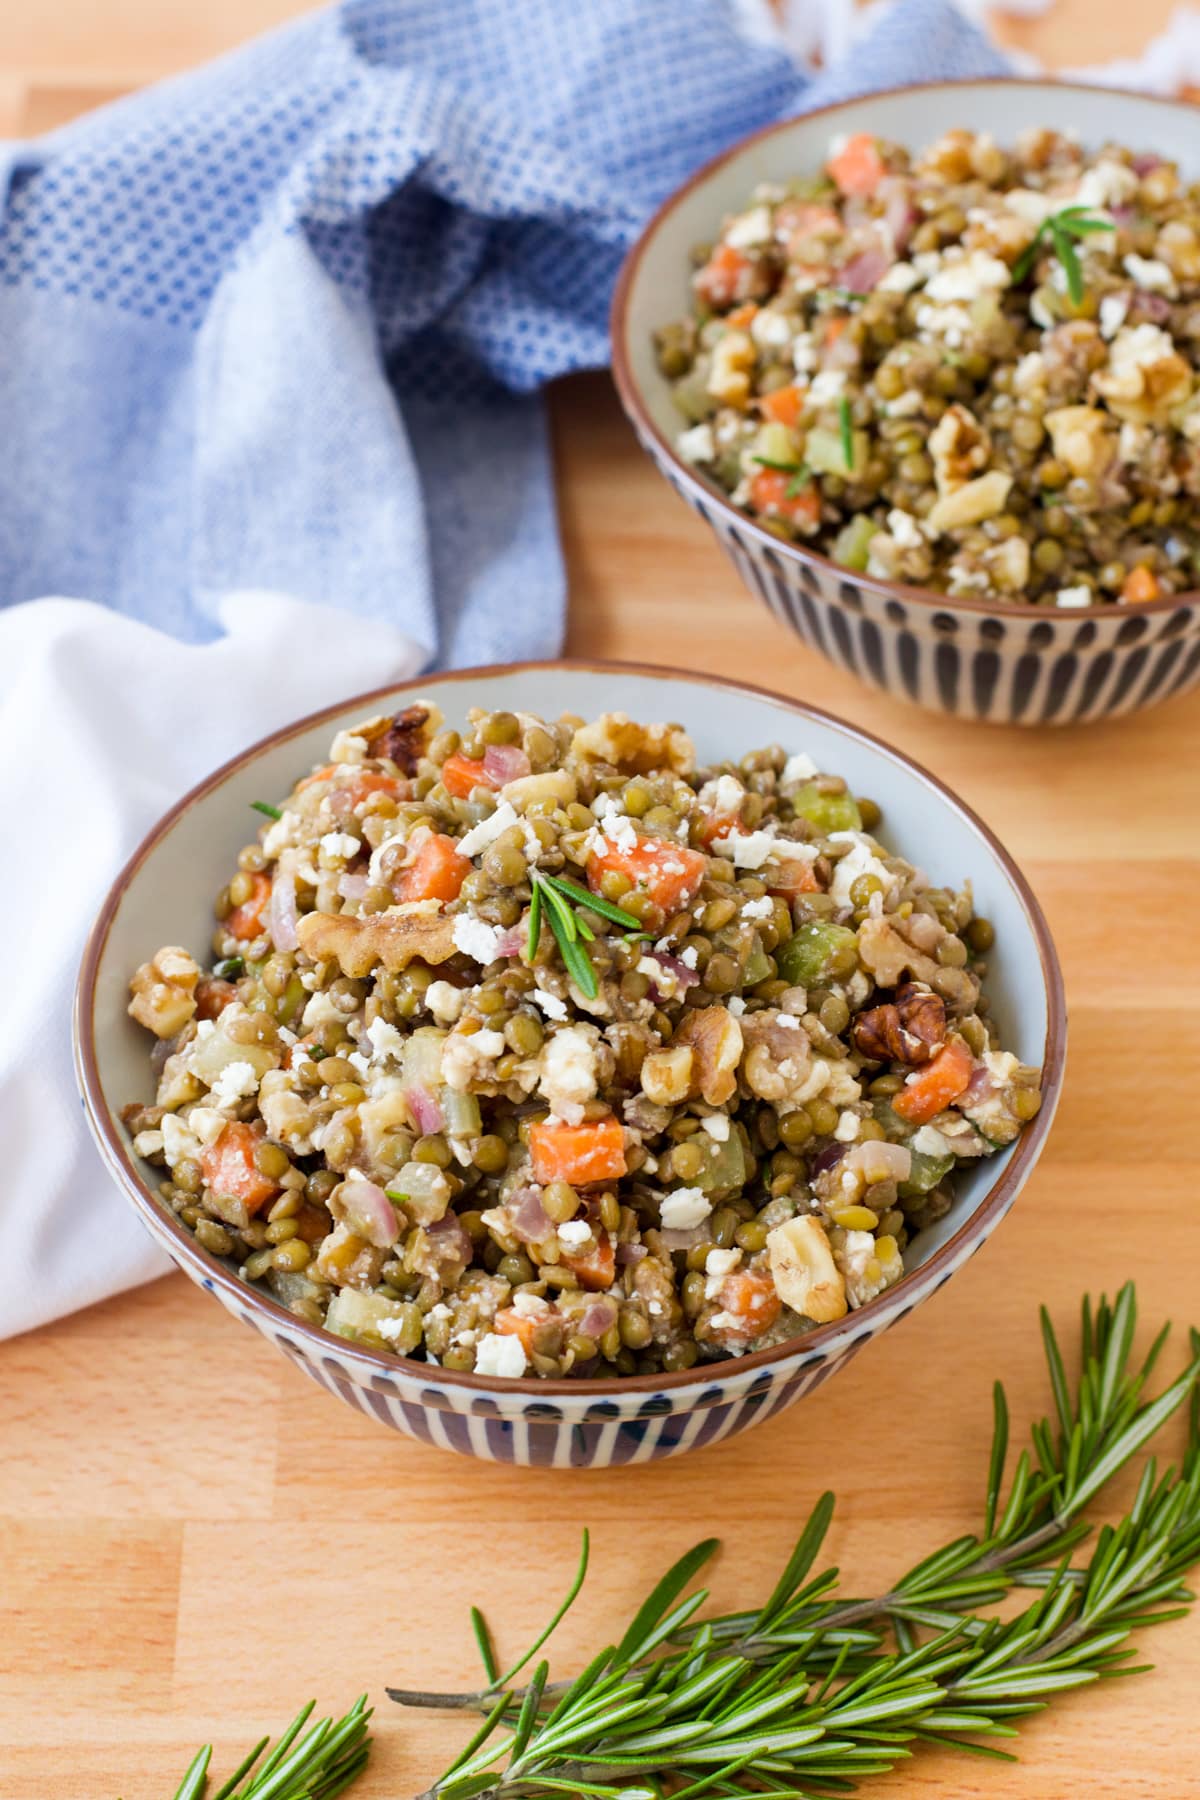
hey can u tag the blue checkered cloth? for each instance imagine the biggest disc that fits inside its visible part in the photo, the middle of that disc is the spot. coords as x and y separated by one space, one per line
281 323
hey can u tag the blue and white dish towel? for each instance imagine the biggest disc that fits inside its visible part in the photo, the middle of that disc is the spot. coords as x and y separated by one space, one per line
271 337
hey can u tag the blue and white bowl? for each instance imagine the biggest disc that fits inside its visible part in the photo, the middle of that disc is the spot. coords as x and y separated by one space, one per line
973 658
164 895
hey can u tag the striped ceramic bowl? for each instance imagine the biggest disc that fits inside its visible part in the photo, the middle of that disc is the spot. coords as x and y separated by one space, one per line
164 896
975 659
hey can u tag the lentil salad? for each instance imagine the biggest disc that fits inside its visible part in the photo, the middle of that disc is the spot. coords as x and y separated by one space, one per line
541 1049
969 369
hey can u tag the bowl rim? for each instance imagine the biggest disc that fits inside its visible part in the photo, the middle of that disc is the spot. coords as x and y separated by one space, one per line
211 1272
638 411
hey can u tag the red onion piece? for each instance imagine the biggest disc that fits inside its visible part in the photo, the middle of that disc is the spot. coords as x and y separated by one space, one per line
367 1210
449 1239
981 1087
627 1254
865 271
598 1317
352 887
503 763
899 213
1144 308
528 1217
281 914
684 1240
426 1113
829 1158
512 941
1122 215
1142 165
672 966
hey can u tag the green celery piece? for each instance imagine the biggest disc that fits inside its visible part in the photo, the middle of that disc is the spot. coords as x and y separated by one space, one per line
851 547
828 812
925 1174
808 958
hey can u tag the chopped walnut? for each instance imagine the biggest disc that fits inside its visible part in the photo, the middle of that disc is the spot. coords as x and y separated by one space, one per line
970 504
715 1037
405 737
802 1267
778 1060
1083 437
908 1029
164 991
960 447
1146 376
667 1074
393 939
887 955
616 738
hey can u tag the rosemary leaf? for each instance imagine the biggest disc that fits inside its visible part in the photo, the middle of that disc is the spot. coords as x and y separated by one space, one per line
846 427
264 807
535 921
581 896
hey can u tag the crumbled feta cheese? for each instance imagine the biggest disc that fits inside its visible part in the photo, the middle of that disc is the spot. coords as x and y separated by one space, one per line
1029 205
206 1123
901 278
385 1041
717 1127
280 833
697 444
321 1010
500 1354
684 1208
445 1001
1073 596
488 830
1001 1065
759 909
530 1306
615 825
771 330
567 1071
735 1005
798 767
846 1129
575 1234
1040 312
551 1005
951 322
806 355
788 1021
722 1262
1139 347
347 747
860 859
1030 373
827 386
465 1056
724 795
1113 310
689 956
930 1142
969 277
1106 183
476 938
750 229
1133 441
177 1141
390 1329
533 843
905 406
1152 276
746 850
904 529
341 845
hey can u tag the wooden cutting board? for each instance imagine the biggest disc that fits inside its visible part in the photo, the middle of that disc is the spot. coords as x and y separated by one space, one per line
195 1538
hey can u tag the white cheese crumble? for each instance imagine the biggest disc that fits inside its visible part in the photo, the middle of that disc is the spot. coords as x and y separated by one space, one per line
530 1306
860 859
735 1005
1029 205
551 1005
697 445
684 1208
1152 276
488 830
321 1010
759 909
722 1262
616 826
846 1129
177 1141
575 1234
904 529
901 278
750 229
798 767
340 845
385 1040
717 1127
1113 309
1073 596
905 406
1138 347
771 330
445 1001
805 354
347 747
567 1072
476 938
465 1056
969 278
503 1355
1106 183
746 850
237 1081
689 956
827 386
930 1142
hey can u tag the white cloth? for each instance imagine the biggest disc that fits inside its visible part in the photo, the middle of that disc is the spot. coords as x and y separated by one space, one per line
104 722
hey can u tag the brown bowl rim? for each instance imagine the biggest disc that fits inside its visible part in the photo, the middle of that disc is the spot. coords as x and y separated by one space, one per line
637 410
214 1273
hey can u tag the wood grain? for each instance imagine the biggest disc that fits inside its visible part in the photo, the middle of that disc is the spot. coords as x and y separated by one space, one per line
196 1538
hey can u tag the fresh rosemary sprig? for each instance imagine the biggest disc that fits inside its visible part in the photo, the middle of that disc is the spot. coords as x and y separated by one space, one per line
562 902
320 1766
1061 227
810 1692
770 462
265 807
846 427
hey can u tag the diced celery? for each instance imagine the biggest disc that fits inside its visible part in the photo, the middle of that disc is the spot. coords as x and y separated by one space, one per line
825 453
828 812
774 443
757 967
690 393
925 1174
295 997
852 545
461 1113
207 1056
422 1190
423 1058
724 1164
818 952
359 1317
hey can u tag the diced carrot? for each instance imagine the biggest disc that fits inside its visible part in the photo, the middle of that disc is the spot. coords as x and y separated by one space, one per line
748 1296
790 879
715 825
213 995
462 773
723 278
358 785
770 493
742 317
834 328
596 1266
783 404
669 873
936 1086
1141 584
594 1151
510 1323
436 872
228 1166
858 166
247 920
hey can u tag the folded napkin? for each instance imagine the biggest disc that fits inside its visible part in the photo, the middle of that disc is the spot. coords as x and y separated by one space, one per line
271 339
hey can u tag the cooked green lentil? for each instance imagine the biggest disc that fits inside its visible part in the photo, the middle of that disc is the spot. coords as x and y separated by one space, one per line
972 369
389 1102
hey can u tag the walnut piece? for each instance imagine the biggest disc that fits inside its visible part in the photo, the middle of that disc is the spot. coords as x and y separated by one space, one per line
976 500
908 1029
616 738
715 1037
404 737
802 1267
960 448
164 991
393 939
667 1074
887 956
778 1061
1083 438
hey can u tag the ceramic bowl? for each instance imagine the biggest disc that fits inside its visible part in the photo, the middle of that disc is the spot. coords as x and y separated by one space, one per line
164 895
973 658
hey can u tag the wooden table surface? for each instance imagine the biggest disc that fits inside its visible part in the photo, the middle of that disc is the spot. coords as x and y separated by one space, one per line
195 1538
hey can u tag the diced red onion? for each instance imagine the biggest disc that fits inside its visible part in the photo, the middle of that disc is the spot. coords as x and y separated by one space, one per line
899 214
426 1113
628 1254
598 1317
672 966
865 271
352 887
1123 215
503 763
527 1216
281 915
684 1240
368 1212
512 941
449 1239
1142 165
1152 308
829 1158
981 1087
